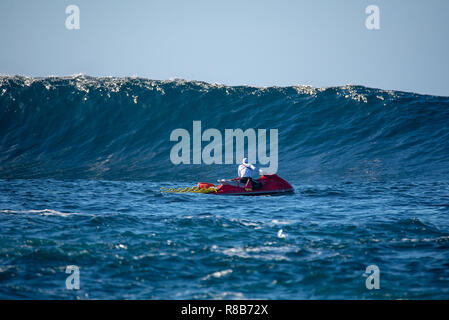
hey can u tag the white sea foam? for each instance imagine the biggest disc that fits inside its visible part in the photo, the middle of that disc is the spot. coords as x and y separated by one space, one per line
281 234
44 212
218 274
262 252
246 222
280 222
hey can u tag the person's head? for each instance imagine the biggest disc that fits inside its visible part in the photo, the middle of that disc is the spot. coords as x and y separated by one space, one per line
245 161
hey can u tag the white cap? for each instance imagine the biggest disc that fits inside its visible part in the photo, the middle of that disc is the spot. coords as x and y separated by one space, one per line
245 161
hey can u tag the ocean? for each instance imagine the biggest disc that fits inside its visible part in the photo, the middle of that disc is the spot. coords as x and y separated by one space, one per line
82 161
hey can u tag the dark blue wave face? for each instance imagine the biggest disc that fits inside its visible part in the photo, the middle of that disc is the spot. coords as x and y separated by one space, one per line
109 128
82 161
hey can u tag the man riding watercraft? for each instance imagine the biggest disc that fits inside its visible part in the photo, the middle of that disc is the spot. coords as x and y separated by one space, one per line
245 172
267 184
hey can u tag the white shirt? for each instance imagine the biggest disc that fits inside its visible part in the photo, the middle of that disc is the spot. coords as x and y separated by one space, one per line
246 170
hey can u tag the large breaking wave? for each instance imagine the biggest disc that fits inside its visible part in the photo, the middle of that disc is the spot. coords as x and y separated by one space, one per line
119 128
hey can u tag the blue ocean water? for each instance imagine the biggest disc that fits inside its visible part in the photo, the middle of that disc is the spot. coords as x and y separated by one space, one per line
82 160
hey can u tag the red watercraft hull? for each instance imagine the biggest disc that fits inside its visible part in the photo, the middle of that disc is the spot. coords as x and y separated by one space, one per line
272 184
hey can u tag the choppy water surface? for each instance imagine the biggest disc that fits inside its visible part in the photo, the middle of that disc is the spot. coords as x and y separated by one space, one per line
131 241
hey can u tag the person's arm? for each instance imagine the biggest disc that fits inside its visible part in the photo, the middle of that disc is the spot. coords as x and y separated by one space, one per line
255 170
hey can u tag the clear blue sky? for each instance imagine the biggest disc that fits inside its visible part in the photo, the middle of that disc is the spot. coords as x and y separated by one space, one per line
256 42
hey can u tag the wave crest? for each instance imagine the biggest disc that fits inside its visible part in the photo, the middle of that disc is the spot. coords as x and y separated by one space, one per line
119 128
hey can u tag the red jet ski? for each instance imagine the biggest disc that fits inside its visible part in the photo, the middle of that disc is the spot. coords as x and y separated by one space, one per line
268 184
